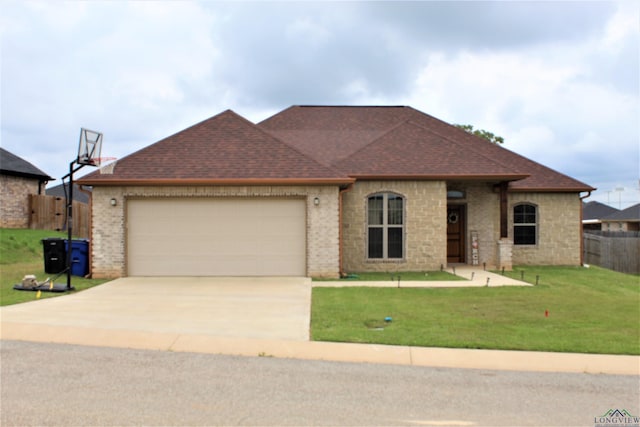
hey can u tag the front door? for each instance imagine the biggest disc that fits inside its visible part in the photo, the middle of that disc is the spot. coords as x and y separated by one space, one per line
456 234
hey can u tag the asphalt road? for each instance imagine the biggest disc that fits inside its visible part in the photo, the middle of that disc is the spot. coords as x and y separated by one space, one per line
66 385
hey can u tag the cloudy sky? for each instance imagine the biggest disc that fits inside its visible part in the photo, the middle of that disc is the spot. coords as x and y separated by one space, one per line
559 80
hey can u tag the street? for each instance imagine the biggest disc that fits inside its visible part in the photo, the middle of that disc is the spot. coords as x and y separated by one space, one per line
68 385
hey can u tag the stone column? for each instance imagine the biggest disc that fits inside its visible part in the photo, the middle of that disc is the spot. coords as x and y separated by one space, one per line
504 258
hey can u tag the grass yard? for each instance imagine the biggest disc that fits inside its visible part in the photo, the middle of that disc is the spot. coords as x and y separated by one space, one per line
21 253
590 310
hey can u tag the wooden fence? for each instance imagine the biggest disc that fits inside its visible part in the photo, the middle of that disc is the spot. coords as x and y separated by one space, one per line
619 251
49 213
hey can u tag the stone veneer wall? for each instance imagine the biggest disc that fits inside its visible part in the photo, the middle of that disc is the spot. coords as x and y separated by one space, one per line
109 222
559 231
14 202
559 234
425 226
483 217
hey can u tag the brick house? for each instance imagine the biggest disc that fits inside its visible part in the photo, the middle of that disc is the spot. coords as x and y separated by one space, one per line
592 214
325 190
18 179
625 220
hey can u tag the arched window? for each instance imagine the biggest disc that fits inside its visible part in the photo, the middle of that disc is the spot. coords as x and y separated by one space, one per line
385 226
525 224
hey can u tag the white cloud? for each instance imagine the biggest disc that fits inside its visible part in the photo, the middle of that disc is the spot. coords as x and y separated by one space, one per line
558 80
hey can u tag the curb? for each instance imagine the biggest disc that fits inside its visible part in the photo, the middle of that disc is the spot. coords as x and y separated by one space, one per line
328 351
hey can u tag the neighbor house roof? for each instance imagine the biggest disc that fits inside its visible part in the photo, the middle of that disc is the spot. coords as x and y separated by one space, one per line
595 210
79 195
341 136
225 149
630 214
10 164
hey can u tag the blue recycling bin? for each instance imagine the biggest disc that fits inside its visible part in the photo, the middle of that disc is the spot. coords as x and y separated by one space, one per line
79 256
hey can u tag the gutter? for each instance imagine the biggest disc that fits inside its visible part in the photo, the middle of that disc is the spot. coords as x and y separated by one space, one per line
214 181
442 177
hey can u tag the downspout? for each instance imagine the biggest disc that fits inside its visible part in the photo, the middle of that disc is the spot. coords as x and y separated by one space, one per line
349 187
582 228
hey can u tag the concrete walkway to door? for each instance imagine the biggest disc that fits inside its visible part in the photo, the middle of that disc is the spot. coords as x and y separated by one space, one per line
257 307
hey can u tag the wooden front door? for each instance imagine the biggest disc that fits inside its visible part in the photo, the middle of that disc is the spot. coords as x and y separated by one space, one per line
456 234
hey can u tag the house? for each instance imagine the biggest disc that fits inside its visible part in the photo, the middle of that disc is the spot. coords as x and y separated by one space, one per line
592 214
625 220
18 179
326 190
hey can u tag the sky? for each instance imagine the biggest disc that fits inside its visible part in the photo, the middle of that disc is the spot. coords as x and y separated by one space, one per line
558 80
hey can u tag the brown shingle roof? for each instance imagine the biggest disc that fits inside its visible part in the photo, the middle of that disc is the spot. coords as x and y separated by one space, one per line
329 144
223 149
336 135
409 150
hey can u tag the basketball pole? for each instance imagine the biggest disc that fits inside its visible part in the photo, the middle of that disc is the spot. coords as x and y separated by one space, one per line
69 201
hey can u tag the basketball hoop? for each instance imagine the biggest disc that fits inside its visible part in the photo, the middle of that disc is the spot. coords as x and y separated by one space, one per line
98 161
89 147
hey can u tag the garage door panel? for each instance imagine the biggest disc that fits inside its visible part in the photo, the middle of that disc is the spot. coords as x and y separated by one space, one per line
220 237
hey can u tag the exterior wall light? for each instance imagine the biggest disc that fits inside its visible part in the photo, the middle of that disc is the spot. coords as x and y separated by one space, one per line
316 201
113 202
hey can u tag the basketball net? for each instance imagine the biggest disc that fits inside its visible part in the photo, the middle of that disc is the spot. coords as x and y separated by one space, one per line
97 161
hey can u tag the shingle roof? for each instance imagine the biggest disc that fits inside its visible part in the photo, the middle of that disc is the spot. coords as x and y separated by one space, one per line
223 149
411 151
632 213
332 134
596 210
10 164
59 191
329 144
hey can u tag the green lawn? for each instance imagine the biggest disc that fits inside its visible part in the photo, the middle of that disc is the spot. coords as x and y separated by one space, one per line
590 310
21 253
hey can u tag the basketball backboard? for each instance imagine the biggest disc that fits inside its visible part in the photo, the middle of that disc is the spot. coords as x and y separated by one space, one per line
89 147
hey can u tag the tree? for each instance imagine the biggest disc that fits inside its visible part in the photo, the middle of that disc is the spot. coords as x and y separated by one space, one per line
489 136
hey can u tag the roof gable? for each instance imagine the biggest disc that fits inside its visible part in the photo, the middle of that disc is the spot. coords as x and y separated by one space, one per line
223 148
10 164
410 150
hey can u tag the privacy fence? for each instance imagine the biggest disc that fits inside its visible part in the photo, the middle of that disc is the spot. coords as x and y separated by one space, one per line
49 213
615 250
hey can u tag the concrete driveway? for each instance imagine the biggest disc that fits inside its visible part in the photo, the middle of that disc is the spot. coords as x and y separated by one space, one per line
264 308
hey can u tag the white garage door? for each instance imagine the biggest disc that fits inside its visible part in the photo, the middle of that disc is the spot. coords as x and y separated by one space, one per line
216 237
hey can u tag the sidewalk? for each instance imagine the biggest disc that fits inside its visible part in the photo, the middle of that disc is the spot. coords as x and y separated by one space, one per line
475 277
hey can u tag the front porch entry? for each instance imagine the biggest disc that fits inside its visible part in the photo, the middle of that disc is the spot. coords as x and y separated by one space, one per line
456 234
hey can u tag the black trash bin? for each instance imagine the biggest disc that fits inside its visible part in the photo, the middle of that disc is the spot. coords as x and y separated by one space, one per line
55 255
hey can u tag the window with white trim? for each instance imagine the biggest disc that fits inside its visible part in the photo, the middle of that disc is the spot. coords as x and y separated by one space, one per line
525 224
385 226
